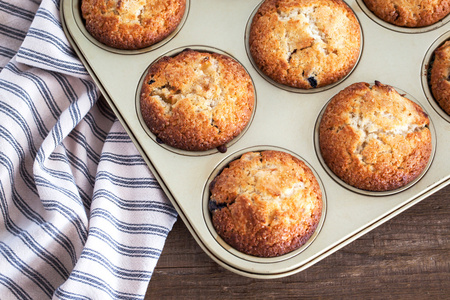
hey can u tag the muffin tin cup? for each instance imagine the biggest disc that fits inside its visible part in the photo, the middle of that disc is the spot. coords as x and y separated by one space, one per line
153 136
426 65
376 193
400 29
228 248
76 9
283 119
290 88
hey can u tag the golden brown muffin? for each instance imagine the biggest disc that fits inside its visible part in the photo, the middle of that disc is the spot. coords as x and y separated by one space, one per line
440 76
409 13
265 203
197 100
373 138
131 24
305 43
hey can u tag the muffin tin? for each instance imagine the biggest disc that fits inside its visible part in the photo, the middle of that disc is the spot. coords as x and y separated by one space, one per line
284 119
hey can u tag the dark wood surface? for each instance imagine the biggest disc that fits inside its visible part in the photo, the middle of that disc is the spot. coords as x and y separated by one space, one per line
408 257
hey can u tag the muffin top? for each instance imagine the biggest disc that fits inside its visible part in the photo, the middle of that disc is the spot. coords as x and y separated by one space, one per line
305 43
265 203
131 24
196 100
440 76
409 13
373 138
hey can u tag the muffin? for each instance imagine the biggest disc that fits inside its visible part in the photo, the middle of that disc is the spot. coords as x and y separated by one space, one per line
409 13
265 203
196 101
440 76
131 24
373 138
305 43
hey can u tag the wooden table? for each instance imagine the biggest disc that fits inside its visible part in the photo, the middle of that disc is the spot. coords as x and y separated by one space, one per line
407 257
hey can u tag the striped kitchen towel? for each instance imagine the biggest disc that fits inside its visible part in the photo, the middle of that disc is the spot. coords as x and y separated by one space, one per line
81 217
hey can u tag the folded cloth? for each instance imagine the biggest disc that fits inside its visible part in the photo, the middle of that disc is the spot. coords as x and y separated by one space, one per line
81 214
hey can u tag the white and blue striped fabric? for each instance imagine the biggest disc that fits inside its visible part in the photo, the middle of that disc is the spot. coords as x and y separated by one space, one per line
81 217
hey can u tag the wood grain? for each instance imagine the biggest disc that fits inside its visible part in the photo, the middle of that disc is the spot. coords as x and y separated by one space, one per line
407 257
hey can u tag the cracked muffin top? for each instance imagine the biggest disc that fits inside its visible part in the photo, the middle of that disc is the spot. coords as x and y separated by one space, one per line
440 76
409 13
196 100
373 138
265 203
305 43
131 24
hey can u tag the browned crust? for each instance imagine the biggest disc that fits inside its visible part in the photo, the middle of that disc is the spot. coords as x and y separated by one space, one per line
266 203
440 76
132 24
373 138
197 100
283 48
409 13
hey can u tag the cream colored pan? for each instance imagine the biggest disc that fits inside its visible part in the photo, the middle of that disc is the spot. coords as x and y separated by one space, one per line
284 119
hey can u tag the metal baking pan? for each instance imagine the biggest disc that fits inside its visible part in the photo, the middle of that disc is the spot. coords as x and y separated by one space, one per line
284 119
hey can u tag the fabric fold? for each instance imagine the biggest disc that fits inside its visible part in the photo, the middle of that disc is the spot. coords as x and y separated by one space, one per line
82 216
45 45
